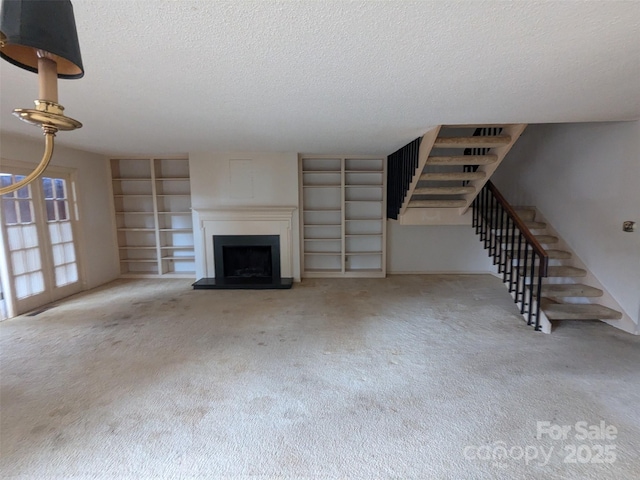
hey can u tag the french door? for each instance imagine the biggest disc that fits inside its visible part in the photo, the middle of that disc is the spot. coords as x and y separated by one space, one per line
38 244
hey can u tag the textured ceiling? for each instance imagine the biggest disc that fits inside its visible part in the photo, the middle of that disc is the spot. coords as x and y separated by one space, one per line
165 77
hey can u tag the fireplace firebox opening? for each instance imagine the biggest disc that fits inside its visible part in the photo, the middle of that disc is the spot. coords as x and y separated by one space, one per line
246 256
246 261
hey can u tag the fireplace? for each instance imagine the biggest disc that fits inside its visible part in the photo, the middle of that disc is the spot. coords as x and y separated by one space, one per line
245 262
255 223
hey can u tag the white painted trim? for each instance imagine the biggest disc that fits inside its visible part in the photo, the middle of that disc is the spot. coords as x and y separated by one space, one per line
243 221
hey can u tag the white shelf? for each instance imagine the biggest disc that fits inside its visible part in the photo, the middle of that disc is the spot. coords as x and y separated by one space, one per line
343 205
132 195
131 179
152 208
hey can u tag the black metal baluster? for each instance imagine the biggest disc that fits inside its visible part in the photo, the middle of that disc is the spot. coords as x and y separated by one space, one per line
488 219
531 286
513 254
482 219
517 279
501 242
505 257
539 293
524 277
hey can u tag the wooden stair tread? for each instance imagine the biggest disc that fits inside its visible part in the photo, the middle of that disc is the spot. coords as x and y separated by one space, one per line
452 176
558 271
525 214
462 160
546 239
443 190
577 311
436 203
488 141
530 225
553 254
533 225
543 239
570 290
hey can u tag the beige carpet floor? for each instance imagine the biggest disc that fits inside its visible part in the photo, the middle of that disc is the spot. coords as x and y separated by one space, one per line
405 377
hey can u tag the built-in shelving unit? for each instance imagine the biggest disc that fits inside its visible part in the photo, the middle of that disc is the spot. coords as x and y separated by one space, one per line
152 201
343 226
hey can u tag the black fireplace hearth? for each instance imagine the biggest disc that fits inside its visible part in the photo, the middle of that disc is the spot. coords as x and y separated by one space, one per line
245 262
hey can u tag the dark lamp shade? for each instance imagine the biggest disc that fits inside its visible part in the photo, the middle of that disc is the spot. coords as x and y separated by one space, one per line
49 25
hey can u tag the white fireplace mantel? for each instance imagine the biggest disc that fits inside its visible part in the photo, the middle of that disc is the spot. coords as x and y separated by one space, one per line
242 221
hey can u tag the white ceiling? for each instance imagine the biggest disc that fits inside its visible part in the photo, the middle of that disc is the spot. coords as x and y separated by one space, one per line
165 77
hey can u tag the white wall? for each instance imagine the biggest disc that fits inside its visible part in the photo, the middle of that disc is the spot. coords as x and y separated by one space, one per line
435 249
98 252
584 179
218 180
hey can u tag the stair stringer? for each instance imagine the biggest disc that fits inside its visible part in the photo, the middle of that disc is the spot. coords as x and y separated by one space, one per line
626 323
514 131
426 145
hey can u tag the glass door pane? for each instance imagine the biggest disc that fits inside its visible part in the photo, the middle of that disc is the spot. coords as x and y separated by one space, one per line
22 246
63 251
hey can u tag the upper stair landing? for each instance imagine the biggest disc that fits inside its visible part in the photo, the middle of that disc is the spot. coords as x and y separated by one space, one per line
454 163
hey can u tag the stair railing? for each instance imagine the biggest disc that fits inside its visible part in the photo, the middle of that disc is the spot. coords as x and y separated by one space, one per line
401 167
521 260
479 132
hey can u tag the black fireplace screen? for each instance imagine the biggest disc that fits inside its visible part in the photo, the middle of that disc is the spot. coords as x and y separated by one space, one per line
246 256
243 262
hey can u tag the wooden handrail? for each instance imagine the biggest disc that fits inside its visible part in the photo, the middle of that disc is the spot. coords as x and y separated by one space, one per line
524 230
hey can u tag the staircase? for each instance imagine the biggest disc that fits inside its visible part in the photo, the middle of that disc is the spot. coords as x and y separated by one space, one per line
541 277
448 170
435 179
563 296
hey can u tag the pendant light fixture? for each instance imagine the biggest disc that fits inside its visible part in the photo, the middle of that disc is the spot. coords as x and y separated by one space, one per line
40 36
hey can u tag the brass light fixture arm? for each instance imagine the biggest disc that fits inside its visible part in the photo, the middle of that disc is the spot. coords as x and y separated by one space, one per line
48 114
49 133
